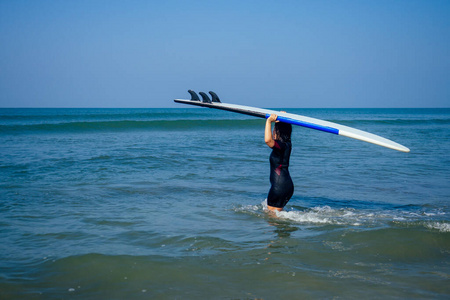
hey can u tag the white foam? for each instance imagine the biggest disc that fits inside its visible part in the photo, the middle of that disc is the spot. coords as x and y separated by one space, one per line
326 215
310 217
251 208
442 227
319 215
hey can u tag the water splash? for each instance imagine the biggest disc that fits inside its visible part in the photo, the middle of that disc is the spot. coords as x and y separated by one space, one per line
348 216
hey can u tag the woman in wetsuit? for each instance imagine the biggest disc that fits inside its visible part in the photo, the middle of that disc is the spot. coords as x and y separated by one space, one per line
280 141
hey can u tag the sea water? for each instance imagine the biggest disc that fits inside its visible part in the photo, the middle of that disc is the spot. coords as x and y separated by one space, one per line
170 204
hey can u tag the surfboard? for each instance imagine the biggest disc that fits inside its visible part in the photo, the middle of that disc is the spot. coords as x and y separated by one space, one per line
293 119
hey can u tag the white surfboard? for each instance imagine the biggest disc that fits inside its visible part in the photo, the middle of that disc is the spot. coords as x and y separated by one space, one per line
293 119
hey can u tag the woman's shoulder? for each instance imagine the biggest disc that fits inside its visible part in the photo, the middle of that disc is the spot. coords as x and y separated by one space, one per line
279 144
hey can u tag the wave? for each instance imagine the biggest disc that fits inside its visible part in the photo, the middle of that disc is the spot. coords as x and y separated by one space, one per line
88 116
125 125
179 124
81 120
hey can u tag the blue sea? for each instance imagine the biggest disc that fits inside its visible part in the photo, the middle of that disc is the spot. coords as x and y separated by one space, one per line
170 204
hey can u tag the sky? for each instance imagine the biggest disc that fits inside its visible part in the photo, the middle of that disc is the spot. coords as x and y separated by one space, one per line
319 54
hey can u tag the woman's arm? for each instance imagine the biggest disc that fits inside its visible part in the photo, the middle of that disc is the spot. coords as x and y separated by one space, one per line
268 132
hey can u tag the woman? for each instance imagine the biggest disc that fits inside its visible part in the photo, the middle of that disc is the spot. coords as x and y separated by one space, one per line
282 186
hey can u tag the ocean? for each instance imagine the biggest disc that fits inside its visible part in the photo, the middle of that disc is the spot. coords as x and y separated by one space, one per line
170 204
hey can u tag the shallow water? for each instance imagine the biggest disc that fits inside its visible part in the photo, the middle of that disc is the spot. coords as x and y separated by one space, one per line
170 203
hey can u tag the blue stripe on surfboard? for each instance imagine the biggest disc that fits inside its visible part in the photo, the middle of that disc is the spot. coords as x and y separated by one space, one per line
306 124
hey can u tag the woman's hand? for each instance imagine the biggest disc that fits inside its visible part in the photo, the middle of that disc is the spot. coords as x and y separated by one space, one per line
272 118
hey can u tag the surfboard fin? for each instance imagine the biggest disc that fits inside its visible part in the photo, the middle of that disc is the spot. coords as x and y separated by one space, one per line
205 97
214 96
194 96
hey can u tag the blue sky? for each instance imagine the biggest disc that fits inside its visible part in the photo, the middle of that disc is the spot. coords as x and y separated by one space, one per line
263 53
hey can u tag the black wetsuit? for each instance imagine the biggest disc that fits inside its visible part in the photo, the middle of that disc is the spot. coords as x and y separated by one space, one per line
282 186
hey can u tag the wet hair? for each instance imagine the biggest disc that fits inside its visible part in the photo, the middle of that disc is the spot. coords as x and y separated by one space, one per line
283 131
